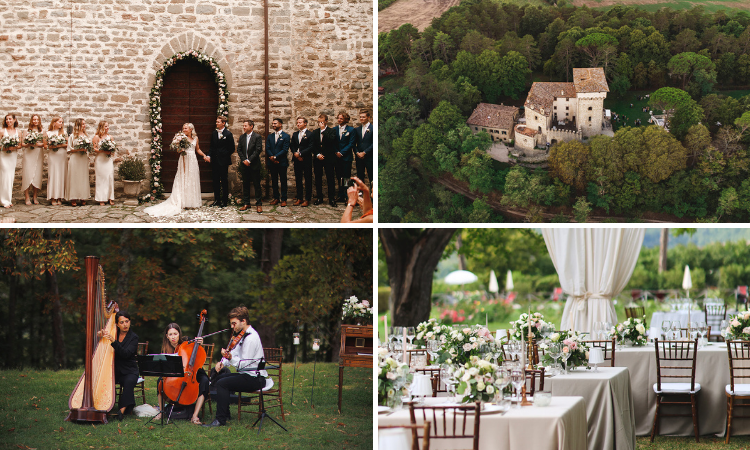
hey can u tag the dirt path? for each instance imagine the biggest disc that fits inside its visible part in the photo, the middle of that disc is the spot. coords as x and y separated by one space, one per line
416 12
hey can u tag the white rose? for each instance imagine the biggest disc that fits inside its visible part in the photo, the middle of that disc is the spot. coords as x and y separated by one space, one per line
473 371
555 337
480 386
490 389
641 329
430 334
466 377
472 339
419 336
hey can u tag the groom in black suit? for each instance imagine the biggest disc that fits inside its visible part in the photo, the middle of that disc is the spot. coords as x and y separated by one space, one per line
220 157
249 148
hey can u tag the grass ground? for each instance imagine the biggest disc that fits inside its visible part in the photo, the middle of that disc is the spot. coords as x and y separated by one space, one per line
622 107
34 404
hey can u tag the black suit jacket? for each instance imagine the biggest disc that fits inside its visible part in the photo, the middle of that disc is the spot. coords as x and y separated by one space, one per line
305 147
328 147
125 351
221 149
252 152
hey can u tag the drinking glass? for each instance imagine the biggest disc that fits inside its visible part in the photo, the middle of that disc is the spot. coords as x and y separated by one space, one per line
693 330
554 351
724 325
565 357
596 332
502 380
398 333
702 331
517 379
432 348
446 376
665 326
676 333
411 333
547 330
607 329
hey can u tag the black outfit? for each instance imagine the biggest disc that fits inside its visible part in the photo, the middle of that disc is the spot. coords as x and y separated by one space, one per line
126 368
302 168
250 151
327 145
220 151
278 148
363 144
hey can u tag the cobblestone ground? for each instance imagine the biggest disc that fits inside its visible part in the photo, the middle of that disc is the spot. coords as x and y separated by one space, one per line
119 213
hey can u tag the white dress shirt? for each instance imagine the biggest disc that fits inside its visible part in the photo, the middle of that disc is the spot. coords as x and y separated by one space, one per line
247 354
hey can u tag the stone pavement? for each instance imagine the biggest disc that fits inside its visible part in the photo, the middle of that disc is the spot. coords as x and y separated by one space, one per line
119 213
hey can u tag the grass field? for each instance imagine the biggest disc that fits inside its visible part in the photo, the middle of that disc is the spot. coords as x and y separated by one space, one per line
622 107
655 5
34 404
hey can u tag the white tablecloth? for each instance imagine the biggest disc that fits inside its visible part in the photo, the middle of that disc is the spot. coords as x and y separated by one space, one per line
559 426
682 316
609 404
711 371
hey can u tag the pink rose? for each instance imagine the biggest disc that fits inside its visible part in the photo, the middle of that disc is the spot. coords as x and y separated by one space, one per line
566 349
366 303
467 347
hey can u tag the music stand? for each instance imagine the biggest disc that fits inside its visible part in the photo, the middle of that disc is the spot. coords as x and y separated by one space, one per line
263 414
161 365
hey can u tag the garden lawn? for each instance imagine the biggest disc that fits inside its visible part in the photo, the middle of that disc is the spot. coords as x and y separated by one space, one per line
34 404
622 107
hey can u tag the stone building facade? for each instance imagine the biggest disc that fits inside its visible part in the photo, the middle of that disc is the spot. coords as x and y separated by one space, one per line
497 120
97 59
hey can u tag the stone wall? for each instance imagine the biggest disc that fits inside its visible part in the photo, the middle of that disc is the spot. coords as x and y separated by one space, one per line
96 59
596 103
562 135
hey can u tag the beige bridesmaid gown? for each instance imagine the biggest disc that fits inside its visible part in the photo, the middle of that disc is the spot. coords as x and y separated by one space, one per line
77 186
57 168
105 178
33 162
7 173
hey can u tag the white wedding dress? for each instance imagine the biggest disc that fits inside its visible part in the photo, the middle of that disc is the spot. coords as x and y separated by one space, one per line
186 190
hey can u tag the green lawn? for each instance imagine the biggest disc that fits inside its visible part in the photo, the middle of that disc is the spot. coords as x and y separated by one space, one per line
34 404
622 107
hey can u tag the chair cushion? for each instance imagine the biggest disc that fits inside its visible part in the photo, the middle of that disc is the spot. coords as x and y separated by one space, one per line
269 384
140 380
739 389
676 388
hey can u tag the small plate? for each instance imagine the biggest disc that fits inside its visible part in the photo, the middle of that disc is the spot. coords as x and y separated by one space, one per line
383 409
491 409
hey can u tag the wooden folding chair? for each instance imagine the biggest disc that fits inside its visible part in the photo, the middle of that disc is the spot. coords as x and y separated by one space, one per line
414 434
272 397
669 354
739 369
608 348
449 422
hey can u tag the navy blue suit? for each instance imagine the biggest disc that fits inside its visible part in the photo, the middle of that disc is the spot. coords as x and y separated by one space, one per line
344 162
277 166
363 143
302 169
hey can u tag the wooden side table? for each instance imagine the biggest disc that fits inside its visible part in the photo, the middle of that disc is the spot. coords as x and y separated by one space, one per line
356 350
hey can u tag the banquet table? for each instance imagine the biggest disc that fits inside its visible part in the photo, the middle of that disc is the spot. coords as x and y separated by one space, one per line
609 404
659 316
711 371
559 426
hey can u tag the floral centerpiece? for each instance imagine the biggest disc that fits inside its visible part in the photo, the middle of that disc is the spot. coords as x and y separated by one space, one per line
572 343
519 329
356 311
430 330
392 378
460 345
476 380
108 145
633 330
57 139
83 143
33 137
739 327
180 143
7 142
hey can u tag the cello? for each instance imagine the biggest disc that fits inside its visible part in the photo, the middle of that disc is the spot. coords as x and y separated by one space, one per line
185 390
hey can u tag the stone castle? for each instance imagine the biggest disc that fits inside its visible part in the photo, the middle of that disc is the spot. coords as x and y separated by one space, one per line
97 59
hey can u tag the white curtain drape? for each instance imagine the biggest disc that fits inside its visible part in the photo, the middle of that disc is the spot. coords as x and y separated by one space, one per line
594 265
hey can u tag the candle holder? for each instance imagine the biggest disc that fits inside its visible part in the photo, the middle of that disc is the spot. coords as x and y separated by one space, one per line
530 351
315 347
296 342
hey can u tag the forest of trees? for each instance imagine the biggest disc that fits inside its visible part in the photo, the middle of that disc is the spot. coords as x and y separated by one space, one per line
285 278
485 51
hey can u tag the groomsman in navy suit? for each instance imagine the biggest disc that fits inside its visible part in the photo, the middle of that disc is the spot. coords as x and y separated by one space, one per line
220 157
363 146
301 147
344 154
326 141
277 147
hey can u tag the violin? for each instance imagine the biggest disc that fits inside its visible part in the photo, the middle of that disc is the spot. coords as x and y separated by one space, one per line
232 344
184 390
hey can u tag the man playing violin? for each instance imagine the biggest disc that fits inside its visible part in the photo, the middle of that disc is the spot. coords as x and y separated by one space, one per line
244 353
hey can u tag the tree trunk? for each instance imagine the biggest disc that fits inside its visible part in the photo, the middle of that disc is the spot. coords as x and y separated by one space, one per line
11 354
270 256
58 340
123 276
461 258
663 244
412 256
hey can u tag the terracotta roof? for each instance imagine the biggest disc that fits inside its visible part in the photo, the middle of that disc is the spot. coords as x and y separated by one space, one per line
493 116
522 129
590 80
542 95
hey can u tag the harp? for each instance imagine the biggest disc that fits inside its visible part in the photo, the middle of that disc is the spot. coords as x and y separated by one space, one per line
94 395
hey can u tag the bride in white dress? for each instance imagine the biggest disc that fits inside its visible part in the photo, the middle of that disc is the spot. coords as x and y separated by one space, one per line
186 190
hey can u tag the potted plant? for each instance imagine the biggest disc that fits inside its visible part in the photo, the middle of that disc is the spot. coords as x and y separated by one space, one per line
132 170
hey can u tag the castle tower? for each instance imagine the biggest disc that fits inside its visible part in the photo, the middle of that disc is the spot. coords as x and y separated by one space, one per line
591 90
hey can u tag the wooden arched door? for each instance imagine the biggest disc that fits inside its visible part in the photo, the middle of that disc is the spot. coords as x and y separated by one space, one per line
190 94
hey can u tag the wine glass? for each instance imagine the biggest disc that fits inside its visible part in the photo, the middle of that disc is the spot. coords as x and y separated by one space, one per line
446 377
723 328
397 333
502 380
606 330
432 348
547 331
702 330
517 379
676 333
411 333
565 356
665 326
554 351
693 330
596 331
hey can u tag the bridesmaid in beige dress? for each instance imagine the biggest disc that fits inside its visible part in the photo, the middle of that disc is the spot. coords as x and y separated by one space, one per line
104 168
77 188
8 158
57 164
33 161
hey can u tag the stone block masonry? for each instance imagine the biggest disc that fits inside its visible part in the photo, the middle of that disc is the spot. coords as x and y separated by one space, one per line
96 59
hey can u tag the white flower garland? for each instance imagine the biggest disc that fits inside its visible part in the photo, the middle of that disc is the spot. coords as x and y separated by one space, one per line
154 105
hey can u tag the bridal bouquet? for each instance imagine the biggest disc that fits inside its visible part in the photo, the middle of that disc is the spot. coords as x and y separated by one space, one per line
356 310
57 139
33 137
83 143
431 330
739 327
7 142
108 145
519 330
633 330
180 143
573 344
460 345
476 380
392 378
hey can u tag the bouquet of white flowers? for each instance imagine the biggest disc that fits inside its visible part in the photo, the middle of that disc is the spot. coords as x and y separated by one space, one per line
7 142
739 327
633 330
572 343
519 330
57 139
180 143
83 143
356 310
476 380
430 330
460 345
392 378
108 145
33 137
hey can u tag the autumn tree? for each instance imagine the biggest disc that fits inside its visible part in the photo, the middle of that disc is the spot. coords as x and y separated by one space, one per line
569 161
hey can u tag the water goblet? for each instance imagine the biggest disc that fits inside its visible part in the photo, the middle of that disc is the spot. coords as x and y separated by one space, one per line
554 351
432 348
702 331
723 328
596 331
565 355
676 331
518 379
502 380
665 326
411 333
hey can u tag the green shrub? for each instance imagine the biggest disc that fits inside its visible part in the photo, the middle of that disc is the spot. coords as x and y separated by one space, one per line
132 169
383 294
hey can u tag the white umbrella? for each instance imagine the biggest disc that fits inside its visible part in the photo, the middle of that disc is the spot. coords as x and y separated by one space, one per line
494 288
509 281
460 277
687 282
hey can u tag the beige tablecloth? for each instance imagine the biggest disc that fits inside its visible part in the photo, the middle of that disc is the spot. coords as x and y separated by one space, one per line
559 426
609 404
711 371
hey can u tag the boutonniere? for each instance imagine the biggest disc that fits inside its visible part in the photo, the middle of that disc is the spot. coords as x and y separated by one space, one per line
346 134
367 130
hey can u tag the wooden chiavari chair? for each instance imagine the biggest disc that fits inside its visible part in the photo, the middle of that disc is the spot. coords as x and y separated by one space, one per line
715 313
531 380
676 359
434 374
739 369
449 422
414 434
635 312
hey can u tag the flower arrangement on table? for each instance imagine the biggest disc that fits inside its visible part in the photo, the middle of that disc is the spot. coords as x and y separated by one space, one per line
357 311
33 137
632 329
180 143
520 328
108 145
476 380
392 378
83 143
460 345
57 139
739 327
572 343
430 330
7 142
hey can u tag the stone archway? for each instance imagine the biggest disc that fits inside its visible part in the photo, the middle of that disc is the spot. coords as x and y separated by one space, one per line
191 40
